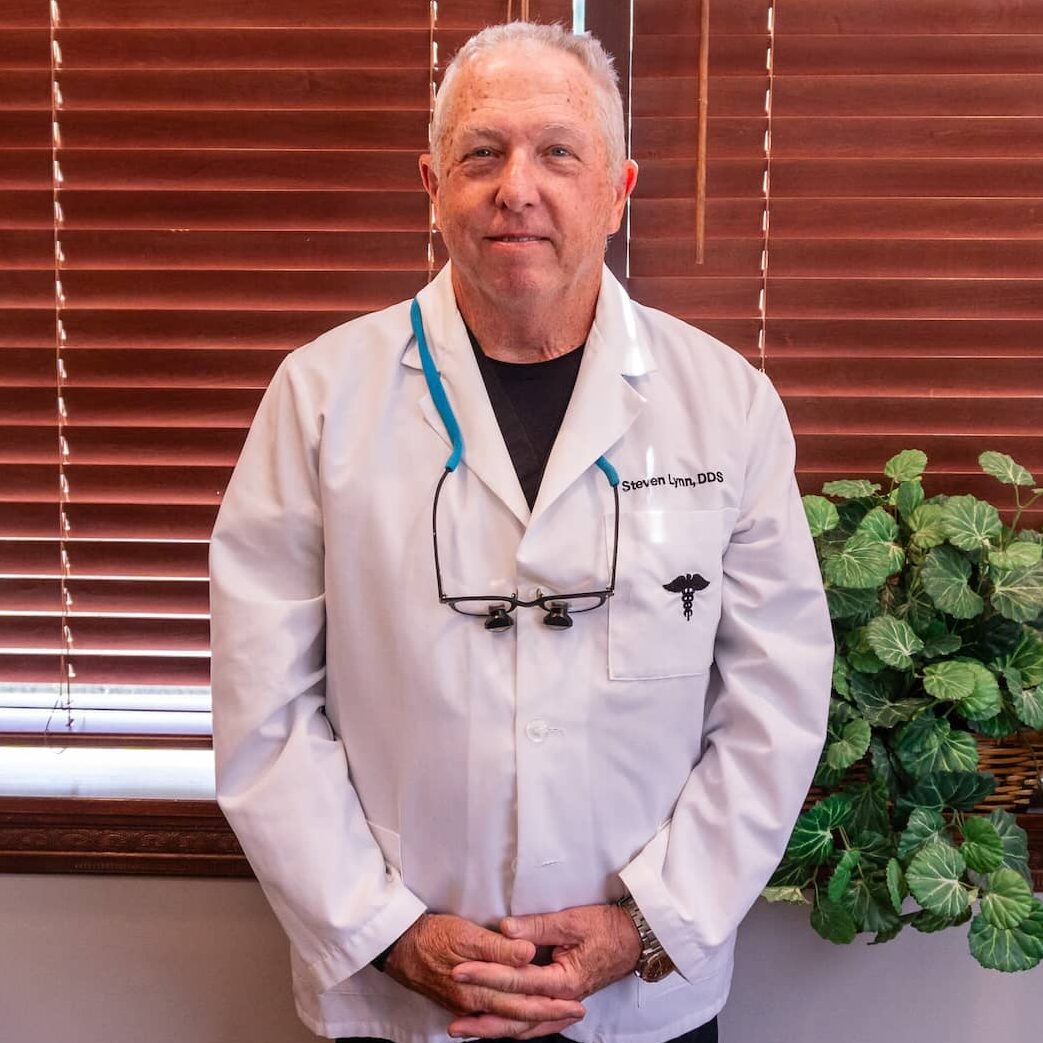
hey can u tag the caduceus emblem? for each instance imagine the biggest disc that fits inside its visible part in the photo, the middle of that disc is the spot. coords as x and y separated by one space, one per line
686 585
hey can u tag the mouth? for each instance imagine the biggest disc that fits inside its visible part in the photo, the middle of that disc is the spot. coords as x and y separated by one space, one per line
512 239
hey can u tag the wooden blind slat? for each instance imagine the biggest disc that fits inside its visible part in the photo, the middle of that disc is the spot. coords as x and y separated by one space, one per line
183 597
107 521
156 447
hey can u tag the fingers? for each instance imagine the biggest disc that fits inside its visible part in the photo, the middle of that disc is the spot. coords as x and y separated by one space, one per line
532 980
542 928
489 1026
546 1028
492 947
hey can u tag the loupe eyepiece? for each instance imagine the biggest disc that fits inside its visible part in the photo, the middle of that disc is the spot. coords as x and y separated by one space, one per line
558 615
499 619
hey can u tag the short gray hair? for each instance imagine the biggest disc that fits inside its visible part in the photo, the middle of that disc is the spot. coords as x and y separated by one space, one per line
592 56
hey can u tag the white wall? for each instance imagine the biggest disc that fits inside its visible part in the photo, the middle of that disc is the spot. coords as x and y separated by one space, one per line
141 960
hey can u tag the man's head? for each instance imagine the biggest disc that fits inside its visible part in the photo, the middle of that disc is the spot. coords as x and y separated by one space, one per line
528 171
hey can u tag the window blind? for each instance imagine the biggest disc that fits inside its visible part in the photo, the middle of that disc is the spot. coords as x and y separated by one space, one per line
190 191
901 193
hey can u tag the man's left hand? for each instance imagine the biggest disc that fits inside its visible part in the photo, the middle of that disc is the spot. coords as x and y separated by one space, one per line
593 946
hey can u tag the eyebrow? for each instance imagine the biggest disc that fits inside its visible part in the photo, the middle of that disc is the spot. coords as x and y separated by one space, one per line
492 132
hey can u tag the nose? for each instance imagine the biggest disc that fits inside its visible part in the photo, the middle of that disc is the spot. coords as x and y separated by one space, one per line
518 187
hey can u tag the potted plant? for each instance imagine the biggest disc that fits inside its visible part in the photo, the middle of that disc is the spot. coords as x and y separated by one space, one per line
936 607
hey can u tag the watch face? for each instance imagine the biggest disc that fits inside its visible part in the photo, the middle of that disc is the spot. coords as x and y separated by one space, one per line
659 965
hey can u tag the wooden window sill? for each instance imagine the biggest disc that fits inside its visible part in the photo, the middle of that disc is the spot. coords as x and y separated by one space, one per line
175 838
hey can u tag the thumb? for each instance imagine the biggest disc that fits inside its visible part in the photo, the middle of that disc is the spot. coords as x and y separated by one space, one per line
495 948
539 928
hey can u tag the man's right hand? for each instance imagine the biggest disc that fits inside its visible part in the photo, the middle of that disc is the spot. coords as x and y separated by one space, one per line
424 957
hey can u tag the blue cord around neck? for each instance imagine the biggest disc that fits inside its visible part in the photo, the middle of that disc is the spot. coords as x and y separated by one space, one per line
445 410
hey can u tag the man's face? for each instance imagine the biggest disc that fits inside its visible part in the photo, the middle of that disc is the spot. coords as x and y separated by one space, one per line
524 199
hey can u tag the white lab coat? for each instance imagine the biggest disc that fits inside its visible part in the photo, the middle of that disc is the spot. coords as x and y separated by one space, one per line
379 755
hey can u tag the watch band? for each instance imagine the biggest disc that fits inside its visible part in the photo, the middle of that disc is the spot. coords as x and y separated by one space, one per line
653 964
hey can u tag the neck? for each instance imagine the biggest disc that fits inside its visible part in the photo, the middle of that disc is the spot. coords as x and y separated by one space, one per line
528 330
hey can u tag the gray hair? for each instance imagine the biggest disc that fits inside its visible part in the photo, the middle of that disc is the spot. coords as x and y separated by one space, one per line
586 48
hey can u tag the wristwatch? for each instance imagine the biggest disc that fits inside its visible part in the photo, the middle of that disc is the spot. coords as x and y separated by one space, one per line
653 964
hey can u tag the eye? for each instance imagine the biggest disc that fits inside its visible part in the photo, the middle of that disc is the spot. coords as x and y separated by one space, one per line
482 152
560 151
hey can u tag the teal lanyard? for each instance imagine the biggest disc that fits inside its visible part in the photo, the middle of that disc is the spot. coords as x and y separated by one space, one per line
445 410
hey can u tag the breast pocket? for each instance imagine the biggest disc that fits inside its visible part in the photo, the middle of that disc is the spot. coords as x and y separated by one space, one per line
663 616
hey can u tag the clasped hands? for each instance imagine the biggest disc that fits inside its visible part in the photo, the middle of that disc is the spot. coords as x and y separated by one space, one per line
488 980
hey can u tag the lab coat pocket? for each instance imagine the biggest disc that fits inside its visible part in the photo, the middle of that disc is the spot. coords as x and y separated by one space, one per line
663 616
390 844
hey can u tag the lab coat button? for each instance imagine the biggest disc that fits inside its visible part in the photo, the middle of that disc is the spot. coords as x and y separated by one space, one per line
537 729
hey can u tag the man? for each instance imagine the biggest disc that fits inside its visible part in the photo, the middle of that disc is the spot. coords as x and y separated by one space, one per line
604 679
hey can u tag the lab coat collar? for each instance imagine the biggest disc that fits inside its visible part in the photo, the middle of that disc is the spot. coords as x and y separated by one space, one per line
604 403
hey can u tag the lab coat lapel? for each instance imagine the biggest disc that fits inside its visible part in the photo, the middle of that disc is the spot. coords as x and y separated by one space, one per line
604 402
485 452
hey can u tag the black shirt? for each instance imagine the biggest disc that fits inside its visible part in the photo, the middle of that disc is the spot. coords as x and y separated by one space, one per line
529 400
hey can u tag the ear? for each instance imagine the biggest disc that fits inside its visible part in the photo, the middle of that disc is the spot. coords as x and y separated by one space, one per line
428 176
624 187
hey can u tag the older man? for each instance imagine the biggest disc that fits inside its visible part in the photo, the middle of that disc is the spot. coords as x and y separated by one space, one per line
525 773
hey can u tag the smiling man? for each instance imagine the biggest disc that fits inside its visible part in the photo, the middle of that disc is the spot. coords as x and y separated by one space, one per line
521 662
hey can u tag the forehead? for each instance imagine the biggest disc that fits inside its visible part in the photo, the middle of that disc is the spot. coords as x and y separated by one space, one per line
523 85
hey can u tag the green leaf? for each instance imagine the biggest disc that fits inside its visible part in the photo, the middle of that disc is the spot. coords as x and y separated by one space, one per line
961 790
925 826
851 604
982 847
821 514
999 726
970 523
862 562
875 848
893 640
1006 470
879 525
869 904
1015 841
1007 949
1008 899
850 747
916 744
881 768
897 888
838 882
945 576
907 497
869 811
888 935
906 465
840 675
850 488
784 894
986 700
812 839
790 874
929 744
928 922
925 522
1027 658
950 680
944 644
1018 593
958 752
1028 704
934 876
874 697
1019 554
833 922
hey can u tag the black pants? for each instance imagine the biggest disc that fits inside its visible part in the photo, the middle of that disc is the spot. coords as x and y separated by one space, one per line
703 1034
